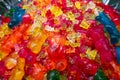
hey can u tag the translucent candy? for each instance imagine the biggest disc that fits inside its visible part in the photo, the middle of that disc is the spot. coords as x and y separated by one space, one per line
61 65
56 11
10 63
91 5
29 56
43 12
101 44
2 55
118 54
36 42
2 68
71 16
57 54
26 19
18 72
89 67
116 70
110 27
10 40
4 30
49 64
69 3
84 24
38 72
100 75
91 54
53 75
59 35
16 17
77 4
73 39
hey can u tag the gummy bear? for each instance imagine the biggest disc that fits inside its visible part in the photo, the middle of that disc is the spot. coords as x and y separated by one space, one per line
2 68
100 75
118 54
16 17
56 11
18 72
53 75
110 27
29 56
38 71
37 41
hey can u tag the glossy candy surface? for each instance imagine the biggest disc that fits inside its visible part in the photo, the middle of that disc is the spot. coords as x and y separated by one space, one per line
110 27
53 75
118 54
60 40
16 16
100 75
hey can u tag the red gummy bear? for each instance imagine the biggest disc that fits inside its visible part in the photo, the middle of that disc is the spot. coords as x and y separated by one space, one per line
27 19
29 56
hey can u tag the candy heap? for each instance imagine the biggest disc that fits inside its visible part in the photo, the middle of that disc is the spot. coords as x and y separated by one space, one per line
60 40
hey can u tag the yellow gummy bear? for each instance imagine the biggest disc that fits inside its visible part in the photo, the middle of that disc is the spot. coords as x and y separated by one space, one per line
37 41
75 44
91 54
67 42
84 24
4 30
71 16
43 12
56 11
18 72
10 63
77 4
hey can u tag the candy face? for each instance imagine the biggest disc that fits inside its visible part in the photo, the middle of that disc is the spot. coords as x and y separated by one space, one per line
60 40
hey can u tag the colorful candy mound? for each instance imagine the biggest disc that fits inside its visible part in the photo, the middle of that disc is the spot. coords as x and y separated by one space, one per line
60 40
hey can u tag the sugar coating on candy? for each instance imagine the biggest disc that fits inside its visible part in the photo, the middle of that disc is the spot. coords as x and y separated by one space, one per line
60 40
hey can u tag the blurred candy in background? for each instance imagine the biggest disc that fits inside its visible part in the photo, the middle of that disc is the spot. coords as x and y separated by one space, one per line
114 3
59 40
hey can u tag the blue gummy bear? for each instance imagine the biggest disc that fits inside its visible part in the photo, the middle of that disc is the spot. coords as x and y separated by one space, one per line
110 27
17 17
114 39
118 54
13 23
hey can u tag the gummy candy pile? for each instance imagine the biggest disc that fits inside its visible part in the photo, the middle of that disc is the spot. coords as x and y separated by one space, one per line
60 40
